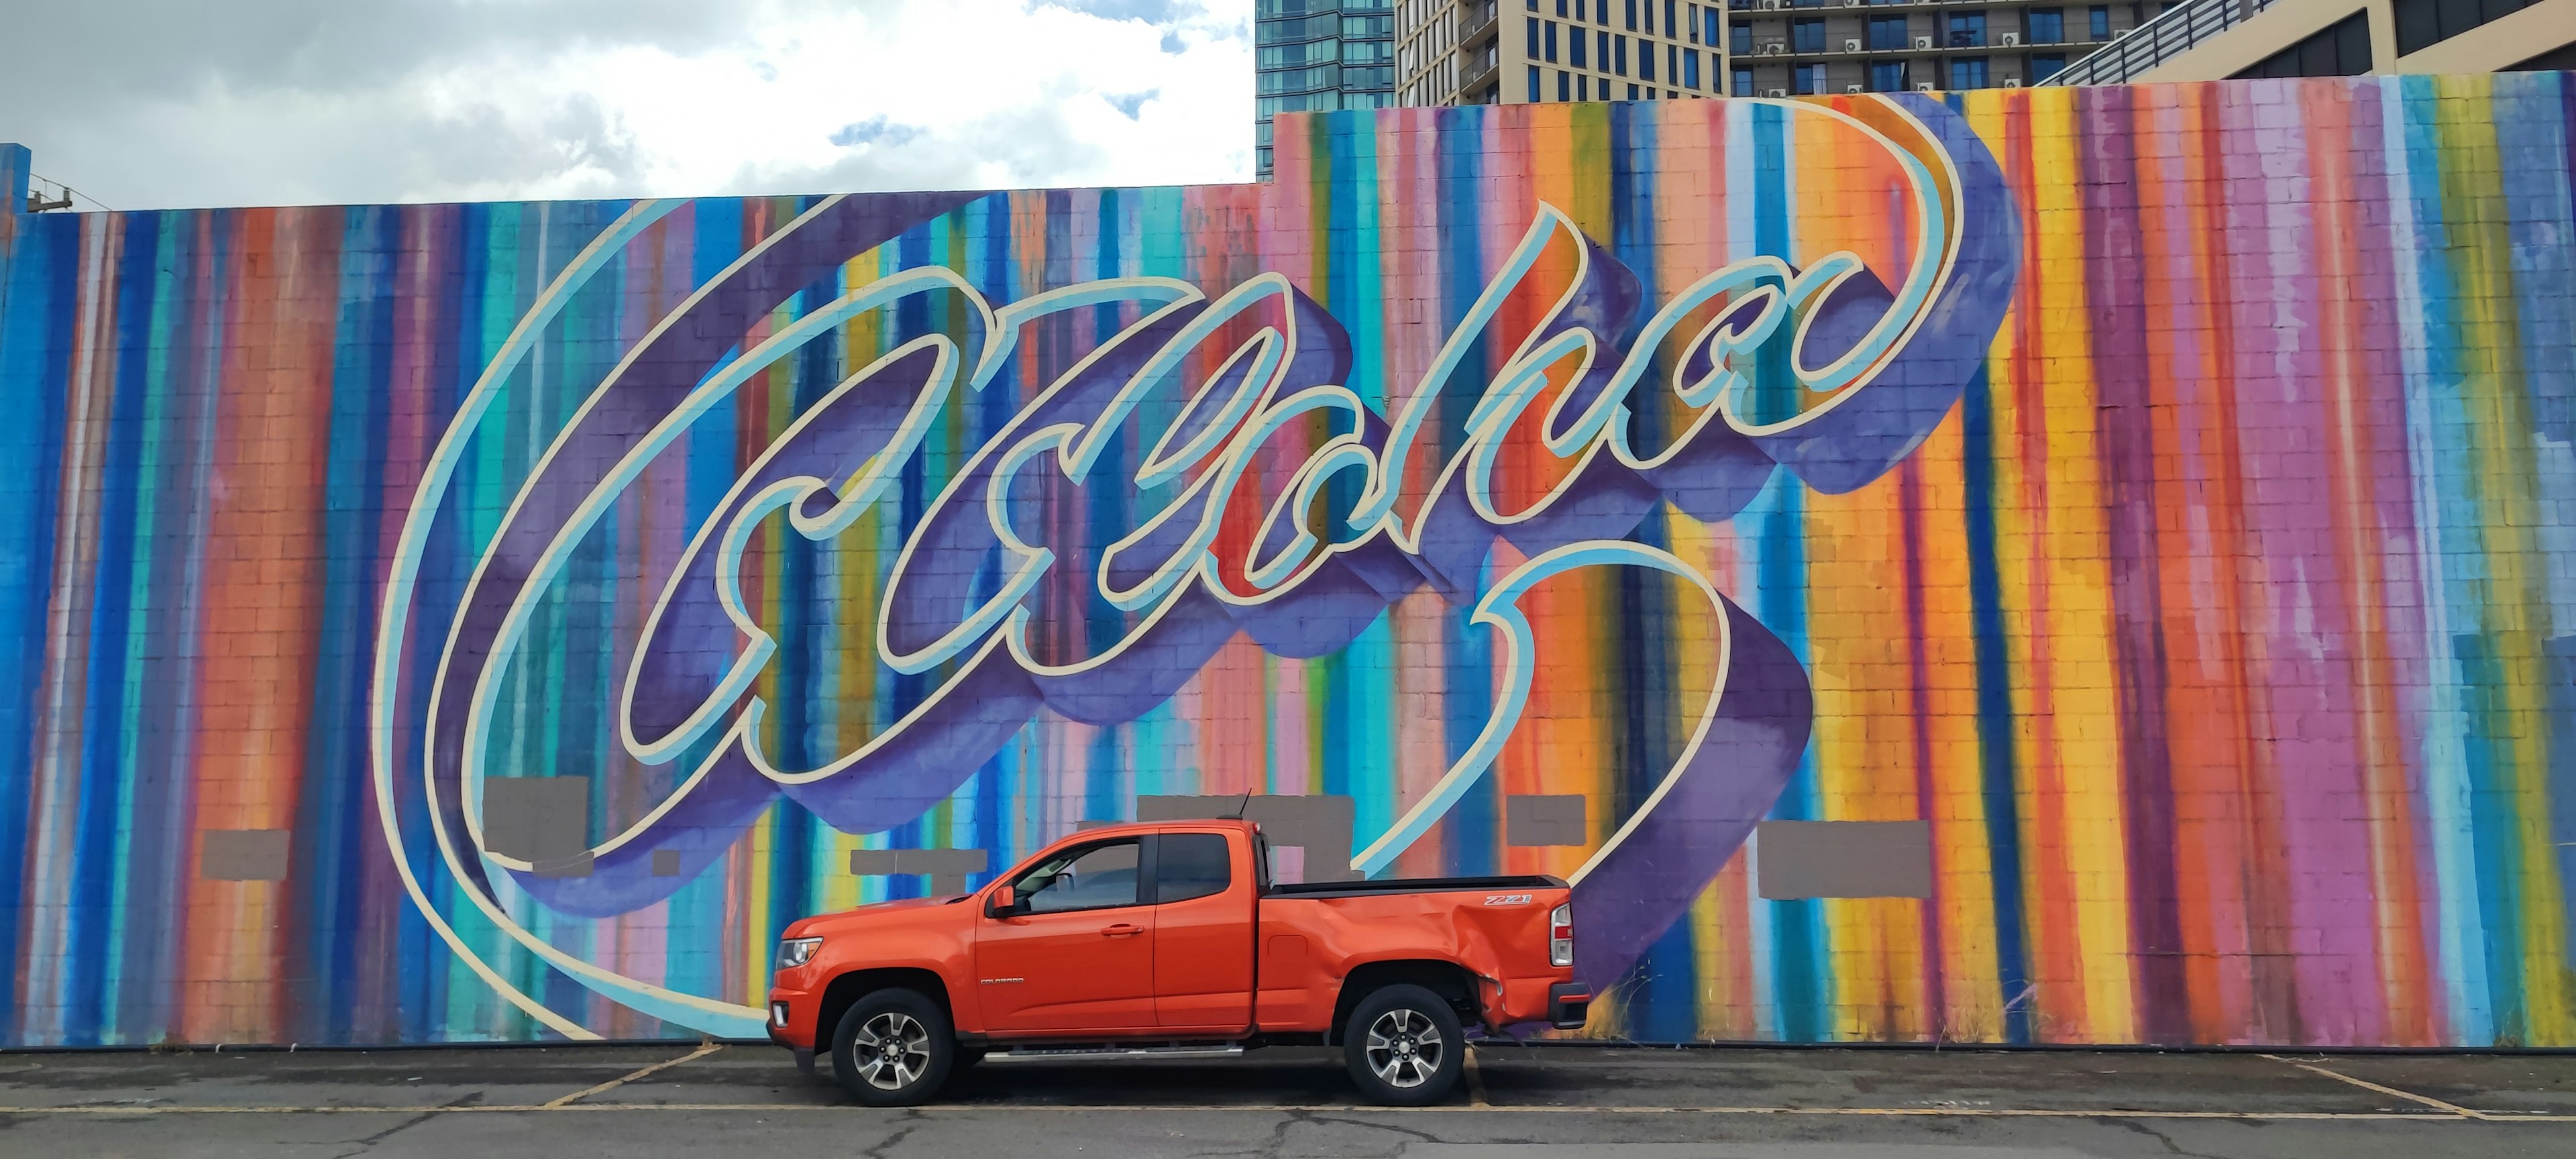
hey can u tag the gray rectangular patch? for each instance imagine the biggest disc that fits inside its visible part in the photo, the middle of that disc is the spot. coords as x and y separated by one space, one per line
545 820
947 869
1320 825
666 863
242 854
1802 859
1534 819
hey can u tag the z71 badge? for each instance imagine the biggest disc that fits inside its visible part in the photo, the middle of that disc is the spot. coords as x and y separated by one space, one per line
1507 899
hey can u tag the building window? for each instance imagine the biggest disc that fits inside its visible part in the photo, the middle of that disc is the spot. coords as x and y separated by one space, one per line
1367 51
1551 42
1672 16
1709 17
1632 92
2341 50
1739 40
1632 15
2100 15
1533 39
1690 68
1564 85
1807 36
2044 65
1672 64
1575 48
1582 86
2046 25
1887 76
1743 82
1601 51
1534 94
1886 32
1619 59
1560 7
1807 79
2424 23
1967 72
1645 62
1967 30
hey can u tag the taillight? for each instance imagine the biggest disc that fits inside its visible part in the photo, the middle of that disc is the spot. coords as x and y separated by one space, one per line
1560 936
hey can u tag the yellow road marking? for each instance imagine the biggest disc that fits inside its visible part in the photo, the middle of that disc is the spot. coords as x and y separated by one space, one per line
2392 1092
769 1108
1475 1082
612 1084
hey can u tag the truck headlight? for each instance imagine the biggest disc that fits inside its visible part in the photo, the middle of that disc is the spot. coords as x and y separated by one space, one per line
1560 936
794 952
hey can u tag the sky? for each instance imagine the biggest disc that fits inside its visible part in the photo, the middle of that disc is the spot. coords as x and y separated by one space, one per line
150 104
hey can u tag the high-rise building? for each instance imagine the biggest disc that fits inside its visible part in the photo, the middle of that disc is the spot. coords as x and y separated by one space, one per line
2224 39
1486 52
1319 55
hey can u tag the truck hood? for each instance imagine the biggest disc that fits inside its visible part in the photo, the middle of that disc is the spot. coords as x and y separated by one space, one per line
868 915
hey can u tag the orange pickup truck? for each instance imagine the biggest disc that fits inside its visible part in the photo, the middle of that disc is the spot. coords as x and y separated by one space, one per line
1169 939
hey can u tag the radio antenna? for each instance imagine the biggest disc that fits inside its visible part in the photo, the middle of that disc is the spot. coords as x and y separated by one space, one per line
1240 806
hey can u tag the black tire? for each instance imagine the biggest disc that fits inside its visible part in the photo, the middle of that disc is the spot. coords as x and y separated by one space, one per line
1404 1047
893 1049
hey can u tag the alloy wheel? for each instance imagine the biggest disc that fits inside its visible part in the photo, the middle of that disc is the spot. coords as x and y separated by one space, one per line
1405 1048
892 1050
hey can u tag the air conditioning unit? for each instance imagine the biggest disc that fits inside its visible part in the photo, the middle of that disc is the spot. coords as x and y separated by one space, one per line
1923 86
1854 3
1775 92
1852 88
2012 82
1922 43
2012 40
1774 48
1851 44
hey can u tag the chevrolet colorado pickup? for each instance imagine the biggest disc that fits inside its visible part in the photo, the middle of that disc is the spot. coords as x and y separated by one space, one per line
1169 939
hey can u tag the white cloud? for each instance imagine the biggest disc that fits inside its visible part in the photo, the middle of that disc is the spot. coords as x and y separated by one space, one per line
485 99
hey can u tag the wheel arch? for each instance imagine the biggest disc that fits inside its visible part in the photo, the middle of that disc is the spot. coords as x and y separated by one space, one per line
1445 978
846 989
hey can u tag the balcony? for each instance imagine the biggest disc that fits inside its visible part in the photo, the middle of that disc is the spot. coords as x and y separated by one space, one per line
1479 23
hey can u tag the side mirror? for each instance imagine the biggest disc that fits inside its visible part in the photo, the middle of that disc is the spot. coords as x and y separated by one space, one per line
1001 903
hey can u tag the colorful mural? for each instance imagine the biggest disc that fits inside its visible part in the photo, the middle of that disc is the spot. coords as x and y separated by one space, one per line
463 622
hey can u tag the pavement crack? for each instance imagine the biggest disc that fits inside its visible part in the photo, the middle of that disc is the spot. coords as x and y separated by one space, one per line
1279 1133
362 1146
1425 1136
912 1121
2160 1137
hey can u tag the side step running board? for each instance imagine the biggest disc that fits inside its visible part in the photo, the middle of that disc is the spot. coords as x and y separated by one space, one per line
1115 1050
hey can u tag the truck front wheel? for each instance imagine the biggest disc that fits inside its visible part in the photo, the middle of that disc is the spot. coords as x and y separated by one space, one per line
893 1049
1404 1046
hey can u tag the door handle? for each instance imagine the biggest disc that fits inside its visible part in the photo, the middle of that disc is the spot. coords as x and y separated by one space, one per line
1121 930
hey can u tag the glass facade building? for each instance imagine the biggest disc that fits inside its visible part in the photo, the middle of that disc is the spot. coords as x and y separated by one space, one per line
1319 55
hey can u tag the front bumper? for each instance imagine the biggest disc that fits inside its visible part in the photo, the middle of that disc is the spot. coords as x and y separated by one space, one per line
1569 1005
791 1024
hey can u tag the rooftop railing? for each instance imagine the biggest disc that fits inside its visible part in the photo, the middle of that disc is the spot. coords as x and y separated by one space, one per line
2173 32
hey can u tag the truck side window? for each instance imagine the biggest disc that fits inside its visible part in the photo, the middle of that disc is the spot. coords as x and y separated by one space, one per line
1091 877
1188 865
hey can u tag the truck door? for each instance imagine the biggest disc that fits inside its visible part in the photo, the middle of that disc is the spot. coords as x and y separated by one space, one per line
1203 932
1082 957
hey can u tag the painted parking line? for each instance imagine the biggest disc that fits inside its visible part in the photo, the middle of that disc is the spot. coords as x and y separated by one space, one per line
613 1084
1475 1082
1286 1108
2392 1092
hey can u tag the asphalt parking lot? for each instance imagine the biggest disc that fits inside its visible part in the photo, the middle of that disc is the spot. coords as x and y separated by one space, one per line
1522 1103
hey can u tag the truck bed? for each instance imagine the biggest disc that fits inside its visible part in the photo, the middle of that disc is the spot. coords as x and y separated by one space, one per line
1319 889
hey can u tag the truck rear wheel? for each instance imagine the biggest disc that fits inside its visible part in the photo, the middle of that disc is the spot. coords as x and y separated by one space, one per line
1404 1046
893 1049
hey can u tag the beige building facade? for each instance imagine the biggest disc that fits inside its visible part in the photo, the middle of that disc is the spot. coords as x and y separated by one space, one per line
2221 39
1485 52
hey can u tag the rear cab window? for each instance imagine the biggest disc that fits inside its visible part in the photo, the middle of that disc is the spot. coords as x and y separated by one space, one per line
1191 865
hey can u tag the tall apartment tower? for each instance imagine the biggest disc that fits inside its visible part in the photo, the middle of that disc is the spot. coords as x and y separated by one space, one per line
1319 55
1510 52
